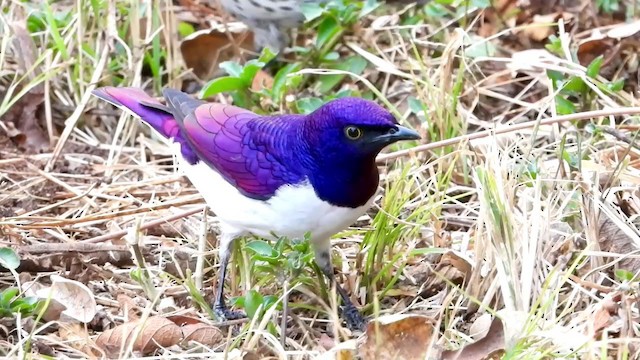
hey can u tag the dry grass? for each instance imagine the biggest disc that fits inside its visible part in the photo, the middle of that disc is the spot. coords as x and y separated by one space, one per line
534 211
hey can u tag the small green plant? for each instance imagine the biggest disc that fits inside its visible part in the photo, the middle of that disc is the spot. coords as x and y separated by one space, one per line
12 303
608 6
330 21
9 259
196 294
573 94
254 303
283 261
623 275
239 81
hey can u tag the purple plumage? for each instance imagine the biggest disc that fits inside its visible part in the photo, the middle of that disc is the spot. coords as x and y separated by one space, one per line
236 142
259 154
151 111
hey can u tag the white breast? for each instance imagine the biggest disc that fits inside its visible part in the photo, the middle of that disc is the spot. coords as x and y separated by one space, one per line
291 212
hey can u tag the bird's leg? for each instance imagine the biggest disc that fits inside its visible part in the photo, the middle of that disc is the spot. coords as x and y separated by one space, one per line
219 306
352 316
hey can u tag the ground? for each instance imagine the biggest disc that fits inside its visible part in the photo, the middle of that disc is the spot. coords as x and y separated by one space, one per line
509 231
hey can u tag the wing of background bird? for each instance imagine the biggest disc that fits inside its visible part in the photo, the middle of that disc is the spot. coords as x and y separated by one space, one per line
223 137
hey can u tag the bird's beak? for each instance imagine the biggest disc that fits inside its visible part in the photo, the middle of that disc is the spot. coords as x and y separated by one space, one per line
396 134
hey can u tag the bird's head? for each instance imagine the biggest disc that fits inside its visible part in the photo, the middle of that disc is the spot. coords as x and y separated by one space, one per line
353 129
343 138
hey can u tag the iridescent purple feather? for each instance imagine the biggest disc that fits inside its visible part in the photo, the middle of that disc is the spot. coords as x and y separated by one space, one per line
248 150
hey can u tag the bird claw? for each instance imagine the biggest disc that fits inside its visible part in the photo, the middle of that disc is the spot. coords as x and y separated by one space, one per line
354 319
224 314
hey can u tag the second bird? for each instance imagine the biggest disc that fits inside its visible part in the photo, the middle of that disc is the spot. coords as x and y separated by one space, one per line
270 20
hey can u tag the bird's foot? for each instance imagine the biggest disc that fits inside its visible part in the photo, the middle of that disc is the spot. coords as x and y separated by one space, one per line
354 319
224 314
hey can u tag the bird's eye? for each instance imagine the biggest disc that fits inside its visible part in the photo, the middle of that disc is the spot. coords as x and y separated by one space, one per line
353 133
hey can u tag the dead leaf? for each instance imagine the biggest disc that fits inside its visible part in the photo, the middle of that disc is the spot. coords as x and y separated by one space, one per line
326 342
198 10
182 320
262 80
25 50
202 333
608 44
204 50
398 337
497 16
480 327
543 26
21 121
70 300
151 334
459 262
344 355
426 280
624 30
591 48
613 238
490 347
601 319
129 306
76 336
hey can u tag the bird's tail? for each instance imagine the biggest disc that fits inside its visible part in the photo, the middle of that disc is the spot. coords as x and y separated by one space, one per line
144 106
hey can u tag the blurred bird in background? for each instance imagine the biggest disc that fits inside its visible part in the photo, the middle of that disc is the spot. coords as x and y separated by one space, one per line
271 20
272 176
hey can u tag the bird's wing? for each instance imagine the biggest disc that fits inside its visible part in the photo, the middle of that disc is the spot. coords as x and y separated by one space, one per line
223 137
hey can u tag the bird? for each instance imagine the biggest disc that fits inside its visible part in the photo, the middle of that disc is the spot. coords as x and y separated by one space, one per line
272 176
270 20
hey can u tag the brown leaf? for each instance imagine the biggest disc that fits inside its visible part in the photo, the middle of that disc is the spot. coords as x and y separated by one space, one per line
591 48
76 336
129 306
543 26
262 80
601 319
182 320
613 238
25 50
398 337
490 347
451 268
608 44
153 333
203 51
458 262
21 121
203 334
